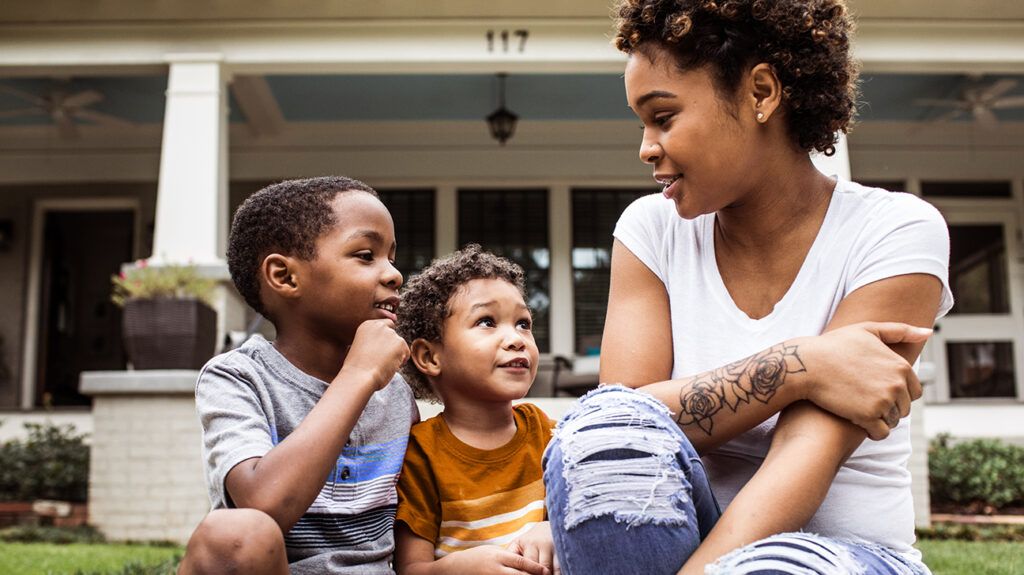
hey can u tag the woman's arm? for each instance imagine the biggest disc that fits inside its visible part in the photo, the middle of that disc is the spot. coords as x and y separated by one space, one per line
849 372
810 445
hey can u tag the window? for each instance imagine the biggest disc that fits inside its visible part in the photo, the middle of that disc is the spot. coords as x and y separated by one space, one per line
594 213
977 269
966 189
514 224
413 214
981 369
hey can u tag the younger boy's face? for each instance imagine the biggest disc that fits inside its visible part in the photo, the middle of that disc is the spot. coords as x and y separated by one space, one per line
487 352
353 278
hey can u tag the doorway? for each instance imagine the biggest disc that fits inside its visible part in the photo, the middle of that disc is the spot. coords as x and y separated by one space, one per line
79 328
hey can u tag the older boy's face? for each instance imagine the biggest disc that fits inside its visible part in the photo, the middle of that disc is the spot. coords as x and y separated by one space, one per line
487 352
353 275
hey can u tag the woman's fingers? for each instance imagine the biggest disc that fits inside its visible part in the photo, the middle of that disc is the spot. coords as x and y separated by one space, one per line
895 332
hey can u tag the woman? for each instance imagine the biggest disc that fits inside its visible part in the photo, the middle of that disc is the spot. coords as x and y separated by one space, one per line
745 294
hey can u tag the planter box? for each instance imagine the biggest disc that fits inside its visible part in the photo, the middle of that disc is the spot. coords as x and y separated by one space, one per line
169 333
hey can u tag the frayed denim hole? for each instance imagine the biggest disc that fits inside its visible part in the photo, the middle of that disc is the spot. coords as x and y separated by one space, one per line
622 462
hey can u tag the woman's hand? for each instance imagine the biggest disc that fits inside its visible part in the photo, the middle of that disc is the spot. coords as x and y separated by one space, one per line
860 378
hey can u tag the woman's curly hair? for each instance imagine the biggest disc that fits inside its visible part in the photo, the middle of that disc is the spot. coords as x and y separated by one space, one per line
426 300
806 42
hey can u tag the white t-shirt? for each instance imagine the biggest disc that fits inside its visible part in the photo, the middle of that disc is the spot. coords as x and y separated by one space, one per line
868 234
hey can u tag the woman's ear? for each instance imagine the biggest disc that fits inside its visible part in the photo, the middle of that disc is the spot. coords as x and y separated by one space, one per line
279 274
765 92
426 356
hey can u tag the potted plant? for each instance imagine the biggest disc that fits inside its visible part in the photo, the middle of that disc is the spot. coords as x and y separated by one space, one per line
168 320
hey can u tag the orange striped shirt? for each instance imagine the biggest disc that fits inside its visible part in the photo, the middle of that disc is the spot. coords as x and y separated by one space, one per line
458 496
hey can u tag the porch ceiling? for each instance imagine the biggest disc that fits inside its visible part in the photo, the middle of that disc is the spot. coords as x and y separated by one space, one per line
326 98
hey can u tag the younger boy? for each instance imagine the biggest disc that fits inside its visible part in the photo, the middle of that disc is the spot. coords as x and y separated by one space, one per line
304 437
472 479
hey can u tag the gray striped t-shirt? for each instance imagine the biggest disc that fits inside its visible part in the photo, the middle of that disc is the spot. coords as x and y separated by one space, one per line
251 398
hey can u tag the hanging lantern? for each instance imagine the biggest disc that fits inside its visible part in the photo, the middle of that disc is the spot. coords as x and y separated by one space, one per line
502 122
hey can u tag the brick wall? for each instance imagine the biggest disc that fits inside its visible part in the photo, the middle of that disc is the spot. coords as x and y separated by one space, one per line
146 476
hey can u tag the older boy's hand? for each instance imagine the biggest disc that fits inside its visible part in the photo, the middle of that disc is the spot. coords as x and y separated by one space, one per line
377 352
491 560
538 545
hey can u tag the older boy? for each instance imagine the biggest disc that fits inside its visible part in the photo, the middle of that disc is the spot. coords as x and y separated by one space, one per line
471 494
304 437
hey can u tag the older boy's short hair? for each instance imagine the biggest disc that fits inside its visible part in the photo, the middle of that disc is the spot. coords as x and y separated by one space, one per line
427 297
286 218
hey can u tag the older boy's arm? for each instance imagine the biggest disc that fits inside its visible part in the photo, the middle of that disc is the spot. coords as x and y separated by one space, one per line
284 482
810 445
414 555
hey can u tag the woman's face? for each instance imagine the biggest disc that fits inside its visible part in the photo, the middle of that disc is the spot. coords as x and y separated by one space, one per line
698 143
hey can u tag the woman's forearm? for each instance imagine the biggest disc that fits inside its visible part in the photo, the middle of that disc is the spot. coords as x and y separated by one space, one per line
715 406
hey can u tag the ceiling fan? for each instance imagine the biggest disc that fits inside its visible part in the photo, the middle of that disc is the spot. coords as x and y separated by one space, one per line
63 108
979 99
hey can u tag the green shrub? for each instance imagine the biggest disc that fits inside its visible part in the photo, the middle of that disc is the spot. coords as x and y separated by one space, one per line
55 535
985 472
51 463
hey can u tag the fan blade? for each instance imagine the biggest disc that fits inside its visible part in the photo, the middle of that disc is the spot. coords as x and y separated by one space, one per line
66 127
82 99
103 119
997 89
21 112
984 116
1009 102
949 116
31 98
942 103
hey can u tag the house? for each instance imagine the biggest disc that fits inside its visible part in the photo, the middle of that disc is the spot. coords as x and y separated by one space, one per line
132 130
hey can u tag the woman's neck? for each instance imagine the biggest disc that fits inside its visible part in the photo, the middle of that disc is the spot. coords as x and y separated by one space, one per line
790 200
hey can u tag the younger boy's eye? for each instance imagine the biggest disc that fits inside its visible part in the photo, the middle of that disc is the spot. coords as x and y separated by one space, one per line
524 323
365 256
486 321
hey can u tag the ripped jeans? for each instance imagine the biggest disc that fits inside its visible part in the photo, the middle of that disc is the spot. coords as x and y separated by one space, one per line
627 494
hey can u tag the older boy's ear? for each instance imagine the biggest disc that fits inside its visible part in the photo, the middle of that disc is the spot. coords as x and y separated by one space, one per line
278 272
425 356
764 91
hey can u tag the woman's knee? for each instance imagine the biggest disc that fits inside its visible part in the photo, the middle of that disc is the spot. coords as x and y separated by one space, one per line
235 541
619 453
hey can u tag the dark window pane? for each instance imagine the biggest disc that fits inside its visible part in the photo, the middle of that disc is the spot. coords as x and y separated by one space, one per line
594 214
413 213
977 269
981 369
891 185
966 189
514 224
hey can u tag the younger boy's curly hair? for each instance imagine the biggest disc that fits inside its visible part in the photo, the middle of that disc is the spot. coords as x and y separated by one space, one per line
426 300
287 218
806 42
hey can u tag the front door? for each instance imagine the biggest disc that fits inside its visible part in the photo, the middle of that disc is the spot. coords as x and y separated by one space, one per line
79 327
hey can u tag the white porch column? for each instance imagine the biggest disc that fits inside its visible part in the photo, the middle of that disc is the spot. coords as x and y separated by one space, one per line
192 197
563 326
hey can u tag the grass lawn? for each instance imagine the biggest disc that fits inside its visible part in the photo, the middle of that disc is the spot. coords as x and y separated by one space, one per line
943 557
50 559
972 558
